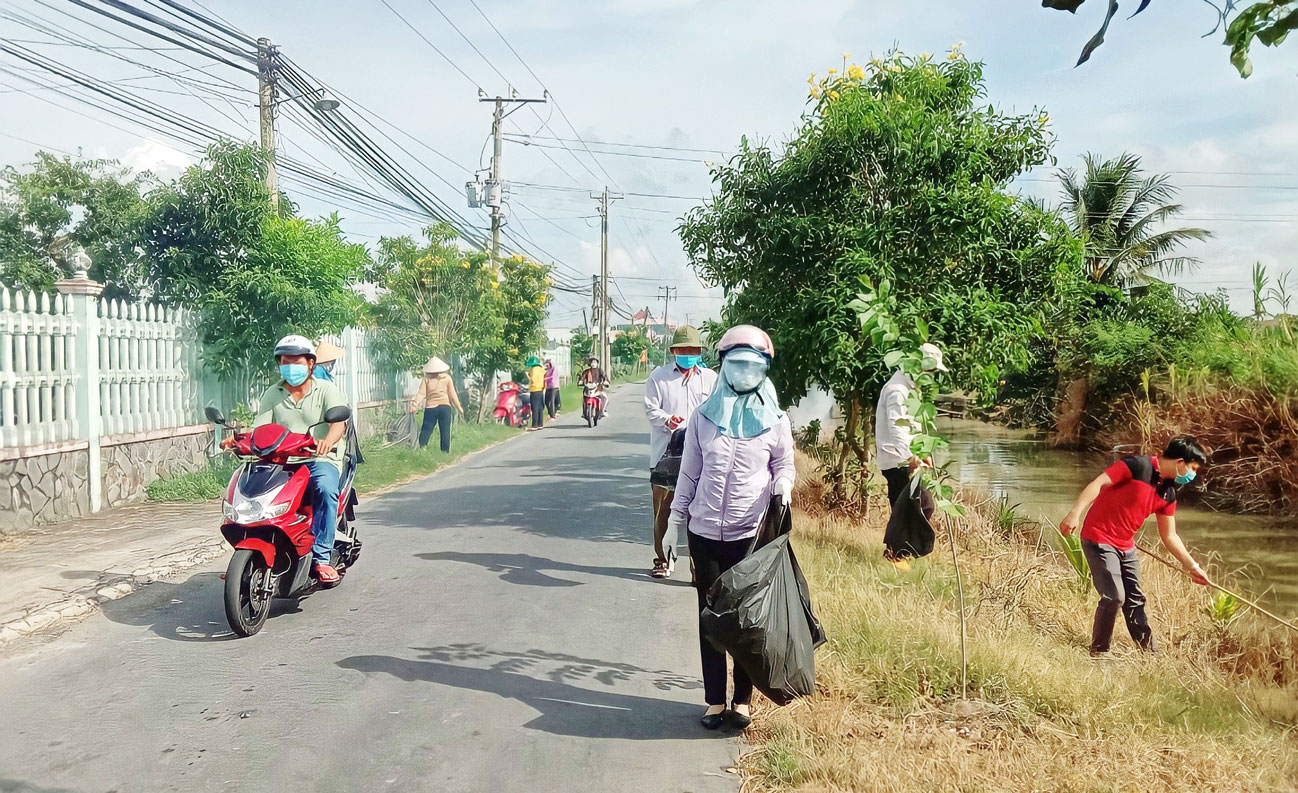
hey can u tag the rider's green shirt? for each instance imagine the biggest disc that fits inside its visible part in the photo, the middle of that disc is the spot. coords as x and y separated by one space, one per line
278 407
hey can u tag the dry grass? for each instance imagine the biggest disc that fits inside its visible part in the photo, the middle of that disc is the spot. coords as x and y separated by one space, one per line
1215 711
1253 437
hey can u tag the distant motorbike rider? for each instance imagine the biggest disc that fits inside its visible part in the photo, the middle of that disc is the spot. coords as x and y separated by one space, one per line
298 403
594 375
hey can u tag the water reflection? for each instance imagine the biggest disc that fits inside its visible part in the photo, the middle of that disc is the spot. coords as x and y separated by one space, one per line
1018 466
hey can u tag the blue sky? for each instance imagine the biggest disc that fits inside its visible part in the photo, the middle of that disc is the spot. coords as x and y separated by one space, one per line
687 73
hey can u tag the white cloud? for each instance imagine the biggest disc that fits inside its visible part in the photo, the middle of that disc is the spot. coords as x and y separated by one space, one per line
162 160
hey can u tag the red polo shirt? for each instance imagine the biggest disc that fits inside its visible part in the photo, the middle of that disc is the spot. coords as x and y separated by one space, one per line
1138 491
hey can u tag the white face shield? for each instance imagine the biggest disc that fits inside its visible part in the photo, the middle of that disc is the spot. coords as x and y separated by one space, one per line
745 370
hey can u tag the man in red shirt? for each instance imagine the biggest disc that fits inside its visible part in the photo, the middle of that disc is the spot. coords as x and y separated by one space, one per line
1120 499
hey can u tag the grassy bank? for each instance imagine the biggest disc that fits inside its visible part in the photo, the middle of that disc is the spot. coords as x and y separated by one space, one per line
383 467
1215 711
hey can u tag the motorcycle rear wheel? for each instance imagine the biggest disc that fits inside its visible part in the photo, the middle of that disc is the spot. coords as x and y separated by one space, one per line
248 585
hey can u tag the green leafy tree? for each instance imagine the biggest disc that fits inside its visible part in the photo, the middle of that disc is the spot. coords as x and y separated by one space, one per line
581 345
59 204
898 173
436 298
212 243
629 344
1268 22
1119 214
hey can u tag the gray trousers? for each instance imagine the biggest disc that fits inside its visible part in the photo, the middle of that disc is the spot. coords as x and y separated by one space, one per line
1116 575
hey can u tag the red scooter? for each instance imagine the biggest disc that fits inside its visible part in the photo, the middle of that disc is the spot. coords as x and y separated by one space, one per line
267 518
592 404
512 407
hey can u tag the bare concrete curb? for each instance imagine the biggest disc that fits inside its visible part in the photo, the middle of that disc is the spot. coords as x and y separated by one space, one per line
86 600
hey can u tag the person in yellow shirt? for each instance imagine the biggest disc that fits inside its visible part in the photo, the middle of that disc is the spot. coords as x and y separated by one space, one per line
536 391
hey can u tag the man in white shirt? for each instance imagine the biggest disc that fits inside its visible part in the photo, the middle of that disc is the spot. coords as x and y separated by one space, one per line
671 395
894 427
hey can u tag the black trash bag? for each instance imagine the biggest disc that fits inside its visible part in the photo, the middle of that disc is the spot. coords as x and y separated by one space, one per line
759 611
668 467
910 529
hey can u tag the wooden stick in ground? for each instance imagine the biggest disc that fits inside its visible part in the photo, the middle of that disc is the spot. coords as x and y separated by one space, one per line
1220 588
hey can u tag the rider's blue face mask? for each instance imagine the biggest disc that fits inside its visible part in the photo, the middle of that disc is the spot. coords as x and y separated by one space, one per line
1187 477
688 362
294 374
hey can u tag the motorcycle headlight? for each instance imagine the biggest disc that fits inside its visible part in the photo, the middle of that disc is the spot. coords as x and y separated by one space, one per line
227 509
248 511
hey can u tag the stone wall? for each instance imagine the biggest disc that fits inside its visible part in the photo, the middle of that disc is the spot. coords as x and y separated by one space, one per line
43 488
129 468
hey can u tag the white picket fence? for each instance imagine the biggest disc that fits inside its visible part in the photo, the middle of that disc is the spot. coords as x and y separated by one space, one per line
144 362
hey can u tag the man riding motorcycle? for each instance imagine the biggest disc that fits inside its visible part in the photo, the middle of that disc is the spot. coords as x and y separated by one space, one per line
298 402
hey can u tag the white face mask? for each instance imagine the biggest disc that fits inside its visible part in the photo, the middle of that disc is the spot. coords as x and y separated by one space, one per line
744 376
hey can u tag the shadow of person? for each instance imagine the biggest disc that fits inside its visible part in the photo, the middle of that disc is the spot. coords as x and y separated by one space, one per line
525 569
564 709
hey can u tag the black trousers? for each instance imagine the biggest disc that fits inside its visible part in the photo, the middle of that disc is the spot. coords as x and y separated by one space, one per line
1116 575
897 479
538 408
439 417
552 405
711 558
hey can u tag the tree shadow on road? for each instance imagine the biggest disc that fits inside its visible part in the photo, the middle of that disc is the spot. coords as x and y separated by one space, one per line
526 570
8 785
541 497
565 709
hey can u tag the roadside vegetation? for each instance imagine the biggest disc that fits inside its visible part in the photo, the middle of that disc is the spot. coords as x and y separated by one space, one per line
1065 318
1215 710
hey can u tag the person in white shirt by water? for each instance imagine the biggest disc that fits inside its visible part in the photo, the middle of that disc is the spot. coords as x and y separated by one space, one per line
893 427
672 393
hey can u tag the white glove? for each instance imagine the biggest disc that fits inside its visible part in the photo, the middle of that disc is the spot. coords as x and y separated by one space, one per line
677 523
783 487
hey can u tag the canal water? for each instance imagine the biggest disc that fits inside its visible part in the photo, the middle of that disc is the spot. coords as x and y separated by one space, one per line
1017 465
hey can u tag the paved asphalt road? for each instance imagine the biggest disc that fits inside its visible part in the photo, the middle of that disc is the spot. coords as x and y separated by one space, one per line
498 634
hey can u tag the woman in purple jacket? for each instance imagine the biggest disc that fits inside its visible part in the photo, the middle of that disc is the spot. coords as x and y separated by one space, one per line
735 459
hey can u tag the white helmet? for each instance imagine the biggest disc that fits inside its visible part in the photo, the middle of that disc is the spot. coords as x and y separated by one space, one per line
295 345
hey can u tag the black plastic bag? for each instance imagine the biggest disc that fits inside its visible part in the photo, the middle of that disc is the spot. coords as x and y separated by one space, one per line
759 611
668 467
910 531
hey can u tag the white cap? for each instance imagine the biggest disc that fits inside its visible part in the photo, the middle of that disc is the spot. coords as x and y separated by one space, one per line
932 351
294 344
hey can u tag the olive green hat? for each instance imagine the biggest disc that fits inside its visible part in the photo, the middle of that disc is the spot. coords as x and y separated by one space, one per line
686 336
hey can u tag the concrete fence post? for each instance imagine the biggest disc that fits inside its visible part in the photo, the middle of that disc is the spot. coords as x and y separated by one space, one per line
83 295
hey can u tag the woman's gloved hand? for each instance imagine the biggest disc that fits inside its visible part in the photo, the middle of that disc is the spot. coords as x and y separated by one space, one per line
783 487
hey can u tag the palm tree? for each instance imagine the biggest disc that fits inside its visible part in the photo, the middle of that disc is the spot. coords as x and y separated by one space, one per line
1118 212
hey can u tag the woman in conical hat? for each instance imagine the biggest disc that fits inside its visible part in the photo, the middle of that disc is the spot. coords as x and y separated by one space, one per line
437 396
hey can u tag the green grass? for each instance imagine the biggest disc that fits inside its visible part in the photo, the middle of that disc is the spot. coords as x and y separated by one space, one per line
382 467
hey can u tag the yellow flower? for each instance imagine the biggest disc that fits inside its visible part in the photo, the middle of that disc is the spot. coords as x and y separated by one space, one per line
1044 119
855 72
833 94
923 56
952 55
812 79
816 91
847 55
495 284
898 97
833 71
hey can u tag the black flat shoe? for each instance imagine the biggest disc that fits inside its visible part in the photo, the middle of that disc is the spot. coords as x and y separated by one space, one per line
713 721
738 720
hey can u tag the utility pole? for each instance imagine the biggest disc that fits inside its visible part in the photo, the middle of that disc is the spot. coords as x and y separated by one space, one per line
494 186
266 104
667 293
595 302
604 198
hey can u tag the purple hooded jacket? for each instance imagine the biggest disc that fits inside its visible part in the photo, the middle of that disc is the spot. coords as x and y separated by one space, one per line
725 483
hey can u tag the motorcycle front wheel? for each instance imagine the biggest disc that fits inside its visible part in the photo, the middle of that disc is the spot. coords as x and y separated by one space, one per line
248 585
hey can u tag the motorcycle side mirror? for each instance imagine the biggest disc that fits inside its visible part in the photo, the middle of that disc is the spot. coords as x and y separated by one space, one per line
336 414
214 415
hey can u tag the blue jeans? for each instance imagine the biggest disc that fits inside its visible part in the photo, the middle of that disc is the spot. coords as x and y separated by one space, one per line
324 495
